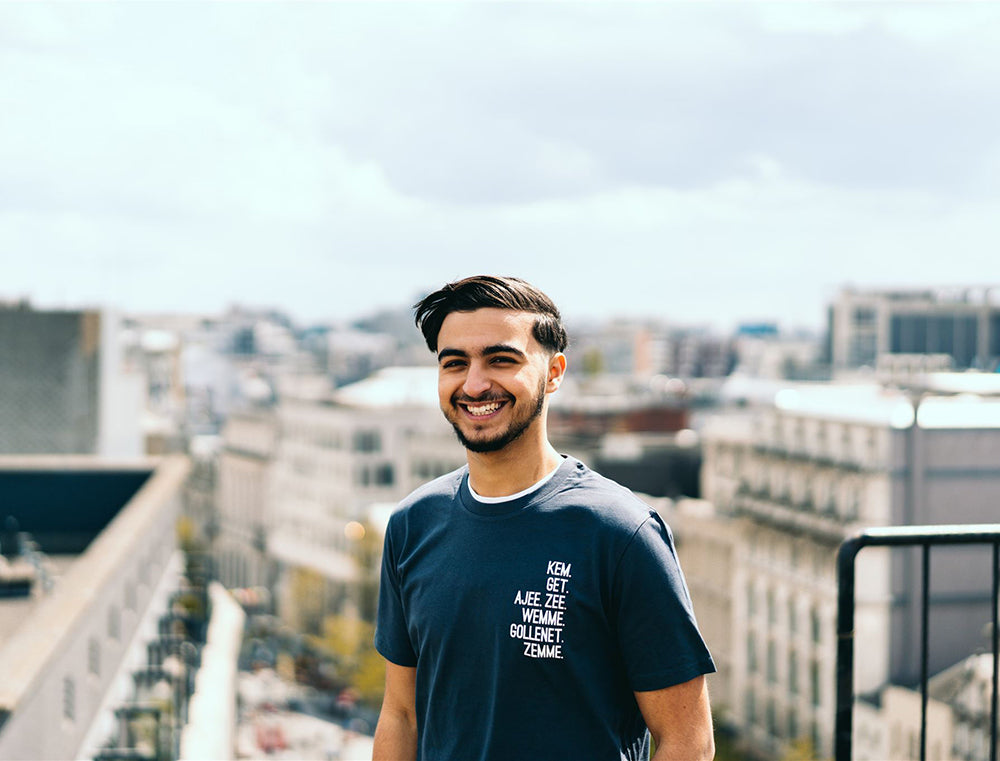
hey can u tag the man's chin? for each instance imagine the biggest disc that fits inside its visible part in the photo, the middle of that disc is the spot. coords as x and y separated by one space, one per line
483 445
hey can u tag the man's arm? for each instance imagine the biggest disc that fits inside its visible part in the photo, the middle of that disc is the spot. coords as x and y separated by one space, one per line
396 732
680 720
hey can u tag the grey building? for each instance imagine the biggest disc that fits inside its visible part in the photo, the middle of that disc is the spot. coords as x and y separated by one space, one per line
63 386
961 323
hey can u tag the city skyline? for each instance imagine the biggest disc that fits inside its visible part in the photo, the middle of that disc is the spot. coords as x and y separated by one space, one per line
709 164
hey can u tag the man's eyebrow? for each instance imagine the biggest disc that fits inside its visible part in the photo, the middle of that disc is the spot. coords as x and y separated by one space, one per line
487 351
502 349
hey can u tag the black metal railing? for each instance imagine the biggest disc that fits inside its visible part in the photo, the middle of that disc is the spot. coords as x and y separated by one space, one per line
924 537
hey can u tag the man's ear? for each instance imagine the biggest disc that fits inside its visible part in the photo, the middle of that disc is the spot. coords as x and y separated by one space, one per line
557 371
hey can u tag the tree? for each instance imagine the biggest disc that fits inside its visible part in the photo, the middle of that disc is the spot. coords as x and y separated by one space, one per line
800 750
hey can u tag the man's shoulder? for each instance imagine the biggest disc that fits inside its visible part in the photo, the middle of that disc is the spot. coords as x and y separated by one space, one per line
604 499
430 496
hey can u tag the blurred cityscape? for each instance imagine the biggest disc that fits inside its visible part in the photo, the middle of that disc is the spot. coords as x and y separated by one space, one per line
192 510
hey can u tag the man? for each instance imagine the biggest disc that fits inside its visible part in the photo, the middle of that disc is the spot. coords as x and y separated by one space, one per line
530 609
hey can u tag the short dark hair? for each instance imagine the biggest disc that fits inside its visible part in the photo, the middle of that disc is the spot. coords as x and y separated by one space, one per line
491 292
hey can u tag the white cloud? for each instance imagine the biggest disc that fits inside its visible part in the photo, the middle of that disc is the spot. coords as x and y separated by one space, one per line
703 161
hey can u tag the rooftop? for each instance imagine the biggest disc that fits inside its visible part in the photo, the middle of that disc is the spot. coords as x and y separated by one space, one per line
393 387
74 509
942 400
15 610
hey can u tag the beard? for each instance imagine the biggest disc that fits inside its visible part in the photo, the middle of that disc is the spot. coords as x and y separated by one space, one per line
513 431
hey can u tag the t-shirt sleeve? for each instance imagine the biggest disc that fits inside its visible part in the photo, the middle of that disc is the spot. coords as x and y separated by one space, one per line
392 638
657 633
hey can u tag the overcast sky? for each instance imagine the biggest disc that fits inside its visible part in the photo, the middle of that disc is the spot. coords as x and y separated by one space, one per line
703 163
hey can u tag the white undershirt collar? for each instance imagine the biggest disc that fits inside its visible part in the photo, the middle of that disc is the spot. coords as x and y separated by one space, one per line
524 493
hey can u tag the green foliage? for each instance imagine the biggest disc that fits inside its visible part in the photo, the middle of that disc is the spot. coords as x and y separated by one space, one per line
307 598
592 362
800 750
347 642
369 680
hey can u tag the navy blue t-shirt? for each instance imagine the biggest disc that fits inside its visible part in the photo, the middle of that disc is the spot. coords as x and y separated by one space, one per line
531 622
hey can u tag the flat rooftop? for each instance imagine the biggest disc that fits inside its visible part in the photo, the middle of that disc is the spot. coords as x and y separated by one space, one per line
63 503
14 611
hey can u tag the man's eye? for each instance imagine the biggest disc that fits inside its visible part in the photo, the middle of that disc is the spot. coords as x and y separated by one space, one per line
450 364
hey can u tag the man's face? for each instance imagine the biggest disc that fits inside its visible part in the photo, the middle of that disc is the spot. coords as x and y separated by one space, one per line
493 376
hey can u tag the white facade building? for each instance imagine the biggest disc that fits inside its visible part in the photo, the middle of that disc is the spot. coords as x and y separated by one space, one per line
342 454
250 444
958 717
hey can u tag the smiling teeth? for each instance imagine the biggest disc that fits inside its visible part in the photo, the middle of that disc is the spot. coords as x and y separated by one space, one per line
484 409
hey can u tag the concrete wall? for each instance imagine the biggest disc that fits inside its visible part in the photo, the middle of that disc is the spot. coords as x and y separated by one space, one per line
955 479
60 663
121 397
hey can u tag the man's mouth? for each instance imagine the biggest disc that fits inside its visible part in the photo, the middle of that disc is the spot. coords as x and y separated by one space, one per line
482 409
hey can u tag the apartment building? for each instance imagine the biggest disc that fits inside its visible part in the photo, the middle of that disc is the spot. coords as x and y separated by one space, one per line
788 483
242 498
342 459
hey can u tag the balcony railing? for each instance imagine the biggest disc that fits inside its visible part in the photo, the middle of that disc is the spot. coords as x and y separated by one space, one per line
924 537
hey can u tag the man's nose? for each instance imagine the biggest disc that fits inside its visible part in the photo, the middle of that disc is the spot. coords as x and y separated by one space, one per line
477 381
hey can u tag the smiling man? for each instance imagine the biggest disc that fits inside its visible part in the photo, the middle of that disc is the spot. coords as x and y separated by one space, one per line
529 608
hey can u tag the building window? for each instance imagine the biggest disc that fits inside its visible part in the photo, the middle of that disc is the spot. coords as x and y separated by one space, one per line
793 619
751 705
864 317
817 626
130 598
751 601
966 342
872 448
846 443
814 688
793 674
772 666
853 503
772 612
114 622
384 475
94 657
793 723
367 441
751 653
69 698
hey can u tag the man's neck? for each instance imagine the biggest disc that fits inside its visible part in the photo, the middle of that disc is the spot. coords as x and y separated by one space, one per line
514 468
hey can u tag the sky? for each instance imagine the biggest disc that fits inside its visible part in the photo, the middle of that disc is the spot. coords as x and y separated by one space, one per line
700 163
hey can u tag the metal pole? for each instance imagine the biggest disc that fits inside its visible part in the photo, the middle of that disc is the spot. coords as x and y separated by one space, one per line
994 718
924 647
905 536
845 648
